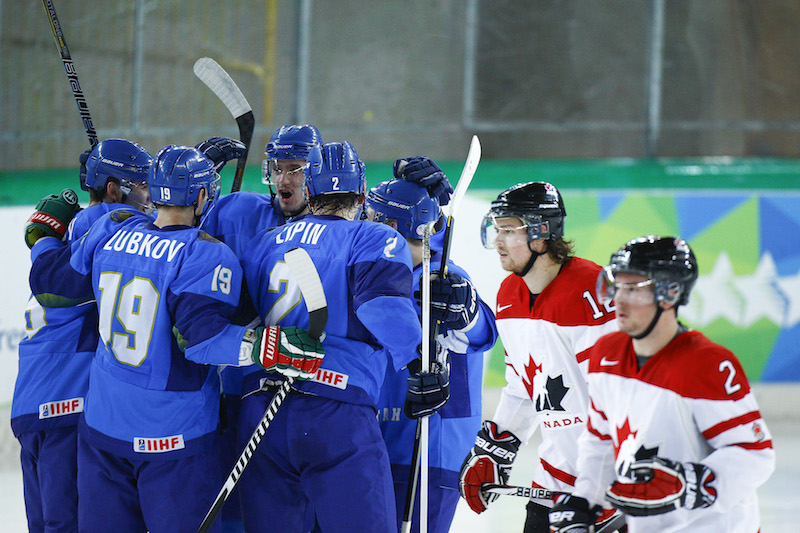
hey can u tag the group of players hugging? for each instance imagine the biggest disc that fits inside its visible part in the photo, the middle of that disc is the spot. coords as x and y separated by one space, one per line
164 319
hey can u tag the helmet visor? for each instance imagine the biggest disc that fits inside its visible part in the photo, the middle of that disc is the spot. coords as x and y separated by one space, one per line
508 230
631 289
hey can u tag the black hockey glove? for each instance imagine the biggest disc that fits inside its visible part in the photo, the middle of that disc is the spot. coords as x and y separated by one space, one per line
52 216
424 171
427 391
83 158
454 301
220 150
658 486
572 514
490 462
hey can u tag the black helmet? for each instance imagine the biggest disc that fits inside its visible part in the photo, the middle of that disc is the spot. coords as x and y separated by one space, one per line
668 261
537 203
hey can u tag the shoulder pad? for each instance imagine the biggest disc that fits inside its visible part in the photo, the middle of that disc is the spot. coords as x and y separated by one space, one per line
121 215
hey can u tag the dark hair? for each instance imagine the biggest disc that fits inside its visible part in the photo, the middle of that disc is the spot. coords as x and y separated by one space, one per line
560 250
99 195
335 201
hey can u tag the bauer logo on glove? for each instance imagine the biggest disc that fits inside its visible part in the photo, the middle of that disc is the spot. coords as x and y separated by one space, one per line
287 350
52 216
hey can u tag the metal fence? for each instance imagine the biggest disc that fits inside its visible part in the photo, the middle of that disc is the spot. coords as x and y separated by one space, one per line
536 78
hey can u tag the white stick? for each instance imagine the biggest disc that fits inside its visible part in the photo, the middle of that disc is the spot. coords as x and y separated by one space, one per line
426 365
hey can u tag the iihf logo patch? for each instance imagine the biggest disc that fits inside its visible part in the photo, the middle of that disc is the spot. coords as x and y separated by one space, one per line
758 432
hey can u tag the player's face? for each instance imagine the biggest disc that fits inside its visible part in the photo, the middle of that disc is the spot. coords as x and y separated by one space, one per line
511 243
288 179
635 302
139 197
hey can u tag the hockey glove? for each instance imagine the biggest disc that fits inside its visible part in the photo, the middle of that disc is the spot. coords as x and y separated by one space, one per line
220 150
83 158
454 301
659 486
52 216
424 171
427 391
287 350
573 514
490 462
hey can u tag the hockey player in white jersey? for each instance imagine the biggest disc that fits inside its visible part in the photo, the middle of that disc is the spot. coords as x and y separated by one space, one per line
547 319
675 438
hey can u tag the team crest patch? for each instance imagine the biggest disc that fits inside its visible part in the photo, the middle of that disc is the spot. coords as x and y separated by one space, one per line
121 215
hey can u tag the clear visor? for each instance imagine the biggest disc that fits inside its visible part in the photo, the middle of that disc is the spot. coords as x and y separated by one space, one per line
509 231
137 195
275 172
634 292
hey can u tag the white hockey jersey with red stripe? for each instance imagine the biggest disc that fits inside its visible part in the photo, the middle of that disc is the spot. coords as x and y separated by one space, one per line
545 345
690 402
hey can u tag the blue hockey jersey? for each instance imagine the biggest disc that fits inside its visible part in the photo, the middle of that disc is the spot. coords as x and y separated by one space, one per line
366 274
164 296
454 426
55 355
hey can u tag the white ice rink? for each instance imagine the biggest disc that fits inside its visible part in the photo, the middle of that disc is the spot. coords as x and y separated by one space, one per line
779 498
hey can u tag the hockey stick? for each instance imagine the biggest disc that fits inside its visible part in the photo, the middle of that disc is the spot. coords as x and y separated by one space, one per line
215 77
545 498
72 75
305 273
467 173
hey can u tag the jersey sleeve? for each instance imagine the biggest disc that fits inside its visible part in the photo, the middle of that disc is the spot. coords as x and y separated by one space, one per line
203 300
380 281
729 419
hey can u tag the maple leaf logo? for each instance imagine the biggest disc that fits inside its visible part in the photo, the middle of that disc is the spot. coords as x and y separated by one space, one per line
531 370
554 392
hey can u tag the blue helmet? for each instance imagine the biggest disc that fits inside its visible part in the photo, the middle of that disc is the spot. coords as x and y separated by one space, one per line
334 168
116 158
406 202
178 173
290 142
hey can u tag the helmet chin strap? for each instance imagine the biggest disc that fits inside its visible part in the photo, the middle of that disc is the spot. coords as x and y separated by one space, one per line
534 256
652 325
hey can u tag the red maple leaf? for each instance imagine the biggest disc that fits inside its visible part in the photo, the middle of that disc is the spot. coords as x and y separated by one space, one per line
622 434
531 370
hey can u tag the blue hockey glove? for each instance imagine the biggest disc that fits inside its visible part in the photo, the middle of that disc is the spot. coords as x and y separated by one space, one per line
454 301
52 216
427 391
83 158
424 171
573 514
658 486
220 150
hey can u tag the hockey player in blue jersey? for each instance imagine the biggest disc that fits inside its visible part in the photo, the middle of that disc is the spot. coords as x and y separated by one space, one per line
323 455
165 291
238 217
466 331
56 353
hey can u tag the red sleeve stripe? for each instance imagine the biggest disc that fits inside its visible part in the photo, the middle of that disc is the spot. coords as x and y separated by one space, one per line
722 427
596 410
512 368
560 475
596 433
763 445
583 356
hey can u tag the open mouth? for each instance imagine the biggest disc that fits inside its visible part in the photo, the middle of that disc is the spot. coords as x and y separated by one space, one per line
285 195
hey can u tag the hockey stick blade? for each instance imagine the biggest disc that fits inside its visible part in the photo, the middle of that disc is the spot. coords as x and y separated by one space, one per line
546 498
468 172
219 81
305 273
